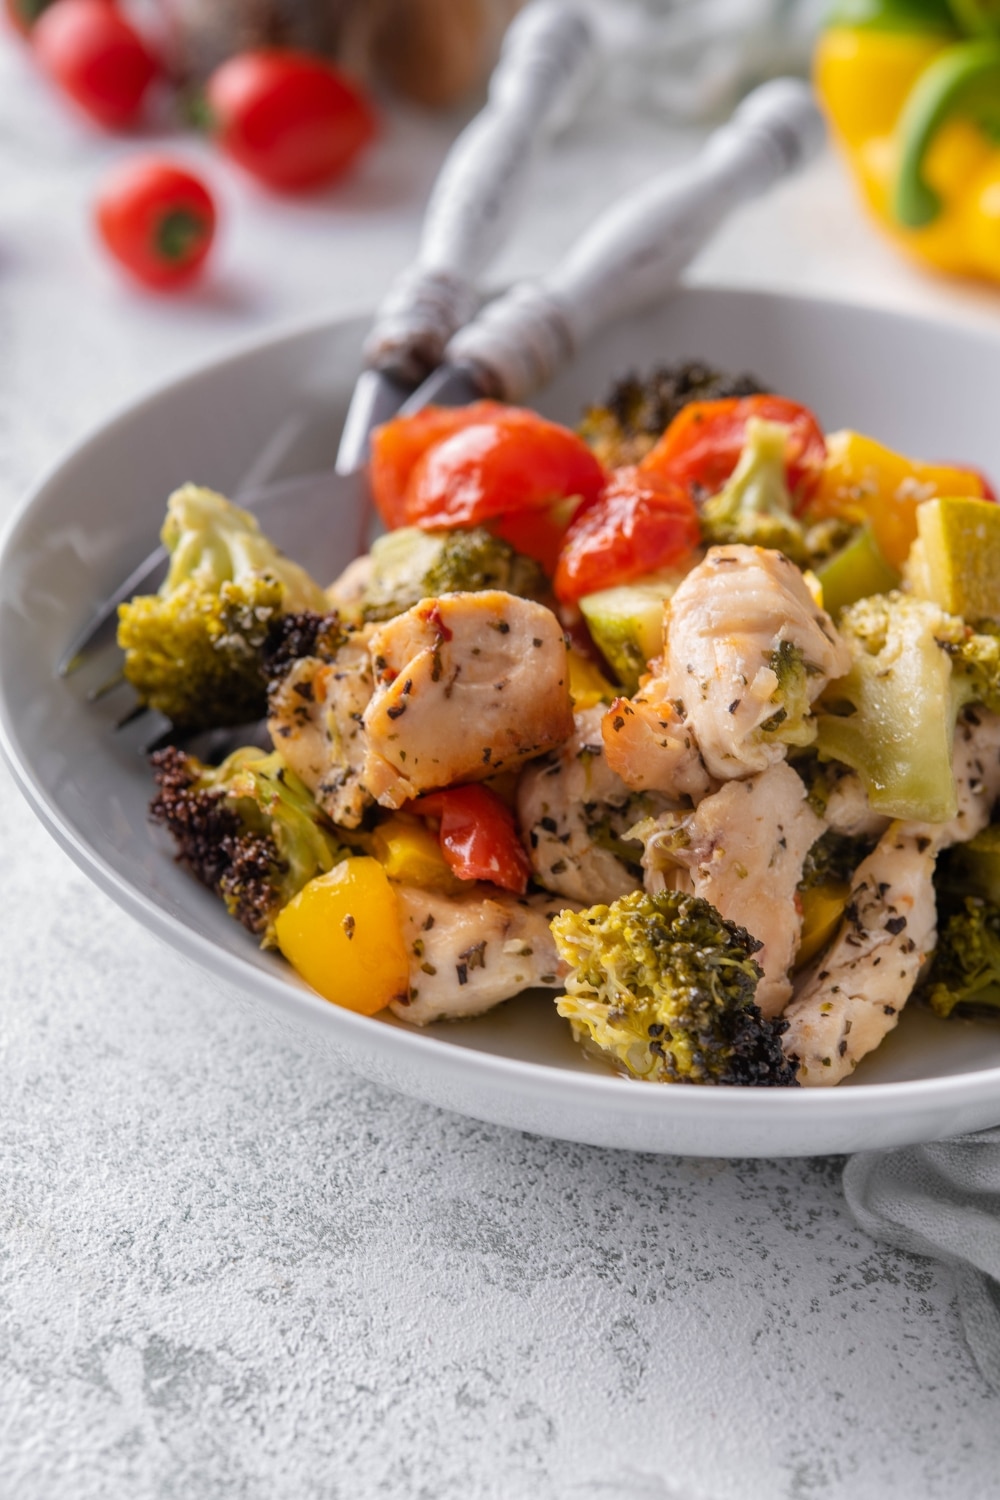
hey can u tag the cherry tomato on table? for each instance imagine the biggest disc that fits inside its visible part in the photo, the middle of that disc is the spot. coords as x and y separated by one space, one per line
291 120
97 58
640 523
702 446
157 219
478 835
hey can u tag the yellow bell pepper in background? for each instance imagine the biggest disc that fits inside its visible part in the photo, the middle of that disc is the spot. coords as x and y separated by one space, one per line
912 92
863 481
343 934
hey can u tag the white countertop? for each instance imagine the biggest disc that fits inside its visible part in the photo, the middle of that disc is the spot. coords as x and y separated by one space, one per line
229 1271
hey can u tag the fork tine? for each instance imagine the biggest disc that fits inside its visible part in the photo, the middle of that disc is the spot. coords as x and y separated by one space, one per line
101 628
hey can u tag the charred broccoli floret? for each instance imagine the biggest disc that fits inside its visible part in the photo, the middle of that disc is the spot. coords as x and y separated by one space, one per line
965 968
892 718
754 506
193 650
292 637
248 829
408 565
639 409
664 986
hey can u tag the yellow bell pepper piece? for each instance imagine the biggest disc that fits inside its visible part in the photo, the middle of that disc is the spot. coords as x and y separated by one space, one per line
342 933
863 481
410 853
587 683
822 908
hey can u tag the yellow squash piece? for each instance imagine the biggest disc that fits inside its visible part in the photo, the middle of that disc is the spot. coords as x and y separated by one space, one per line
588 685
856 572
822 908
956 560
863 481
342 933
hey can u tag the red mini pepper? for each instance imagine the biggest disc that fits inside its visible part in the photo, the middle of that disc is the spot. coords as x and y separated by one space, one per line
478 835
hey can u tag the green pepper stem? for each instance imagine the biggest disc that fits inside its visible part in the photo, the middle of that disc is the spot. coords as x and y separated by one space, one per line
977 17
895 15
964 79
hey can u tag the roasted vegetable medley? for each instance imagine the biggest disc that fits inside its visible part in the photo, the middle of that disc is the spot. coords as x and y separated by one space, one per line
690 716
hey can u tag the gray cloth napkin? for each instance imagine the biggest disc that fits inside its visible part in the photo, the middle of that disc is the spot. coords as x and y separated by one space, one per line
942 1200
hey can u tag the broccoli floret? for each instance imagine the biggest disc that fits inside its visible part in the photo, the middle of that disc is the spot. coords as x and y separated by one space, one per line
754 506
248 829
664 986
638 410
193 650
892 718
965 969
792 721
408 565
975 661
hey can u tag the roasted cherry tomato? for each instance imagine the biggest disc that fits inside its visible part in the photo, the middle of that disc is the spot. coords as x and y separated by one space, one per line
516 461
640 523
396 446
97 58
291 120
702 445
538 533
157 219
478 835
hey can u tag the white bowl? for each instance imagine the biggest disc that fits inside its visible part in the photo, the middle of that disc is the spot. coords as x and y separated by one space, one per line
922 387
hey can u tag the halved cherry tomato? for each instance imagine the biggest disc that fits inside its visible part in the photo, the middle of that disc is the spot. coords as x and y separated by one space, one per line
702 445
289 119
97 58
641 522
517 461
157 219
478 835
396 446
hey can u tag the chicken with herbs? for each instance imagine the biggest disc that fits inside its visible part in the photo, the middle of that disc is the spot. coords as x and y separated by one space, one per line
467 953
466 685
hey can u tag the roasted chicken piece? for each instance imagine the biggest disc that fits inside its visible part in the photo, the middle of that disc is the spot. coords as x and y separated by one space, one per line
851 997
469 952
573 812
315 719
465 686
747 651
742 849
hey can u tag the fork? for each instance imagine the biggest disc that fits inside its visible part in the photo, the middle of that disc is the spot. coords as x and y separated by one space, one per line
630 258
548 56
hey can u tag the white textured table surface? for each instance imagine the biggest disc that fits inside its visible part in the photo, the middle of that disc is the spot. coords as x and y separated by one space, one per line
226 1271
